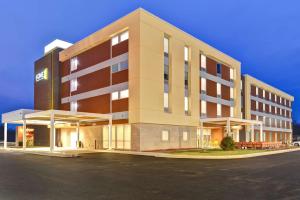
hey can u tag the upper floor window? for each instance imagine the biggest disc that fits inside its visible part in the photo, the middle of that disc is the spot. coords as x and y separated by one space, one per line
275 98
120 94
231 111
119 66
231 93
218 89
219 110
203 84
203 61
264 93
186 54
219 68
74 64
231 74
74 106
119 38
74 85
256 91
166 45
203 107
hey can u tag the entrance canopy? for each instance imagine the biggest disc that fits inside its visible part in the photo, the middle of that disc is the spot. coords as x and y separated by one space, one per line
230 123
37 117
52 118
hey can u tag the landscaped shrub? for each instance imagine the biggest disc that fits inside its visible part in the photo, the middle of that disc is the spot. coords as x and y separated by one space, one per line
227 143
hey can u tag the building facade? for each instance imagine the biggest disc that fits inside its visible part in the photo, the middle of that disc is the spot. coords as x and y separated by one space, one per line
269 105
164 88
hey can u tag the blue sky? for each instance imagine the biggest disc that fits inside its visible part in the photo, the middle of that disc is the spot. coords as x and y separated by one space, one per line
263 35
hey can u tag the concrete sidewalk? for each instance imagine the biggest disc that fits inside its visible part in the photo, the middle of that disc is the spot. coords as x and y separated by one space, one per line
168 155
73 153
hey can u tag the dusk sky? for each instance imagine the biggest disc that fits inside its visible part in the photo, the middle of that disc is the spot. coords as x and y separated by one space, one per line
263 35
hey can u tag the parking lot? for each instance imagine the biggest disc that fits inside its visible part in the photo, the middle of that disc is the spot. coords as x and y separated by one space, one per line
115 176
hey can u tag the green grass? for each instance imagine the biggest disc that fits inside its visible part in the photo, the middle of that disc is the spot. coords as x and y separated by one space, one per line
216 152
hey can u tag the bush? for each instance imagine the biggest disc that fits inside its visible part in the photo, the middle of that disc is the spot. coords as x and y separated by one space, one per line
227 143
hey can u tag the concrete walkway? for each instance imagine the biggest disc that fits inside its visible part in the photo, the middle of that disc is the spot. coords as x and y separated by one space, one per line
168 155
72 153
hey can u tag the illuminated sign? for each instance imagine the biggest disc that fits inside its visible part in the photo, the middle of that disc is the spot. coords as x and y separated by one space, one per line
42 75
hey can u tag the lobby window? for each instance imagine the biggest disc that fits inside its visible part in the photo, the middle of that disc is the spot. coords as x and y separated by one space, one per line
203 85
219 110
166 73
186 80
219 69
231 111
74 106
185 136
74 64
74 85
218 90
165 136
203 62
203 108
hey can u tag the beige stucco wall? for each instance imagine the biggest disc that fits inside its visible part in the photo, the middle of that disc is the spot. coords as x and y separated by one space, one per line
146 33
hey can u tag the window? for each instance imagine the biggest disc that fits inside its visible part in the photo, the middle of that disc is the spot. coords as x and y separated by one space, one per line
231 74
231 111
115 40
264 94
275 110
165 136
74 85
203 61
186 54
186 80
166 45
256 92
119 66
256 105
166 101
74 64
231 93
124 94
186 104
119 38
203 107
280 100
115 96
124 36
219 111
185 136
218 89
219 70
74 106
166 74
203 84
264 107
275 98
270 96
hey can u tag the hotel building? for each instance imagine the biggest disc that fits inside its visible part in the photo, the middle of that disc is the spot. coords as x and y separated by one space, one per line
155 86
